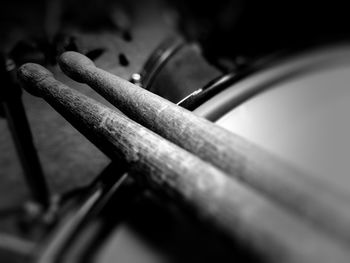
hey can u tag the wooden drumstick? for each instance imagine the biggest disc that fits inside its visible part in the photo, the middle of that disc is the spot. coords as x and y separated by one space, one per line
237 211
304 194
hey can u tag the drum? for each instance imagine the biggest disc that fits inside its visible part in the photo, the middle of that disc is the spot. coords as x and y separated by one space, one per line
296 108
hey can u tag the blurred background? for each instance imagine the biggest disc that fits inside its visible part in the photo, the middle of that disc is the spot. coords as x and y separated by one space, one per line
122 37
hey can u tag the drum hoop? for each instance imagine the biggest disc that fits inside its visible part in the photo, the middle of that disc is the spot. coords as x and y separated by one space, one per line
239 89
168 48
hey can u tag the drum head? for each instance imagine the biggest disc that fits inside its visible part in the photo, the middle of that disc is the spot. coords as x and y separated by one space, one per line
297 110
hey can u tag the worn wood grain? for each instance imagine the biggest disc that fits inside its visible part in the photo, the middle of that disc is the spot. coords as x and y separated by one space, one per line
306 195
236 210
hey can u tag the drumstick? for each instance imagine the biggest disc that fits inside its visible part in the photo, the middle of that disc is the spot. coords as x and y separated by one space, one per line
235 210
304 194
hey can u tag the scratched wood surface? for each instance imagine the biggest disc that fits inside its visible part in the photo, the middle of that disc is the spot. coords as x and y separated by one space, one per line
312 198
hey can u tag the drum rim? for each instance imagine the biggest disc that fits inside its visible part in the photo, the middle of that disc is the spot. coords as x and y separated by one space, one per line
250 85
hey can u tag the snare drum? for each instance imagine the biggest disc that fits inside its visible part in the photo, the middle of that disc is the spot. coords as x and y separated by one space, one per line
297 109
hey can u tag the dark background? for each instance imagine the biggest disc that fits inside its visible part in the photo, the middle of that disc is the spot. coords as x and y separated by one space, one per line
119 36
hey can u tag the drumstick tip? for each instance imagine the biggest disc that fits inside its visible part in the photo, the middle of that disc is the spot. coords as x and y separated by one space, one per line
75 65
30 75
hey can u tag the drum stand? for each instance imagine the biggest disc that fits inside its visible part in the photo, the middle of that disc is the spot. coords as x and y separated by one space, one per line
21 133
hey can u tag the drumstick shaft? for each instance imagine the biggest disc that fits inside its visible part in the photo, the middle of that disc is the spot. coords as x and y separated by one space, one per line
237 211
304 194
